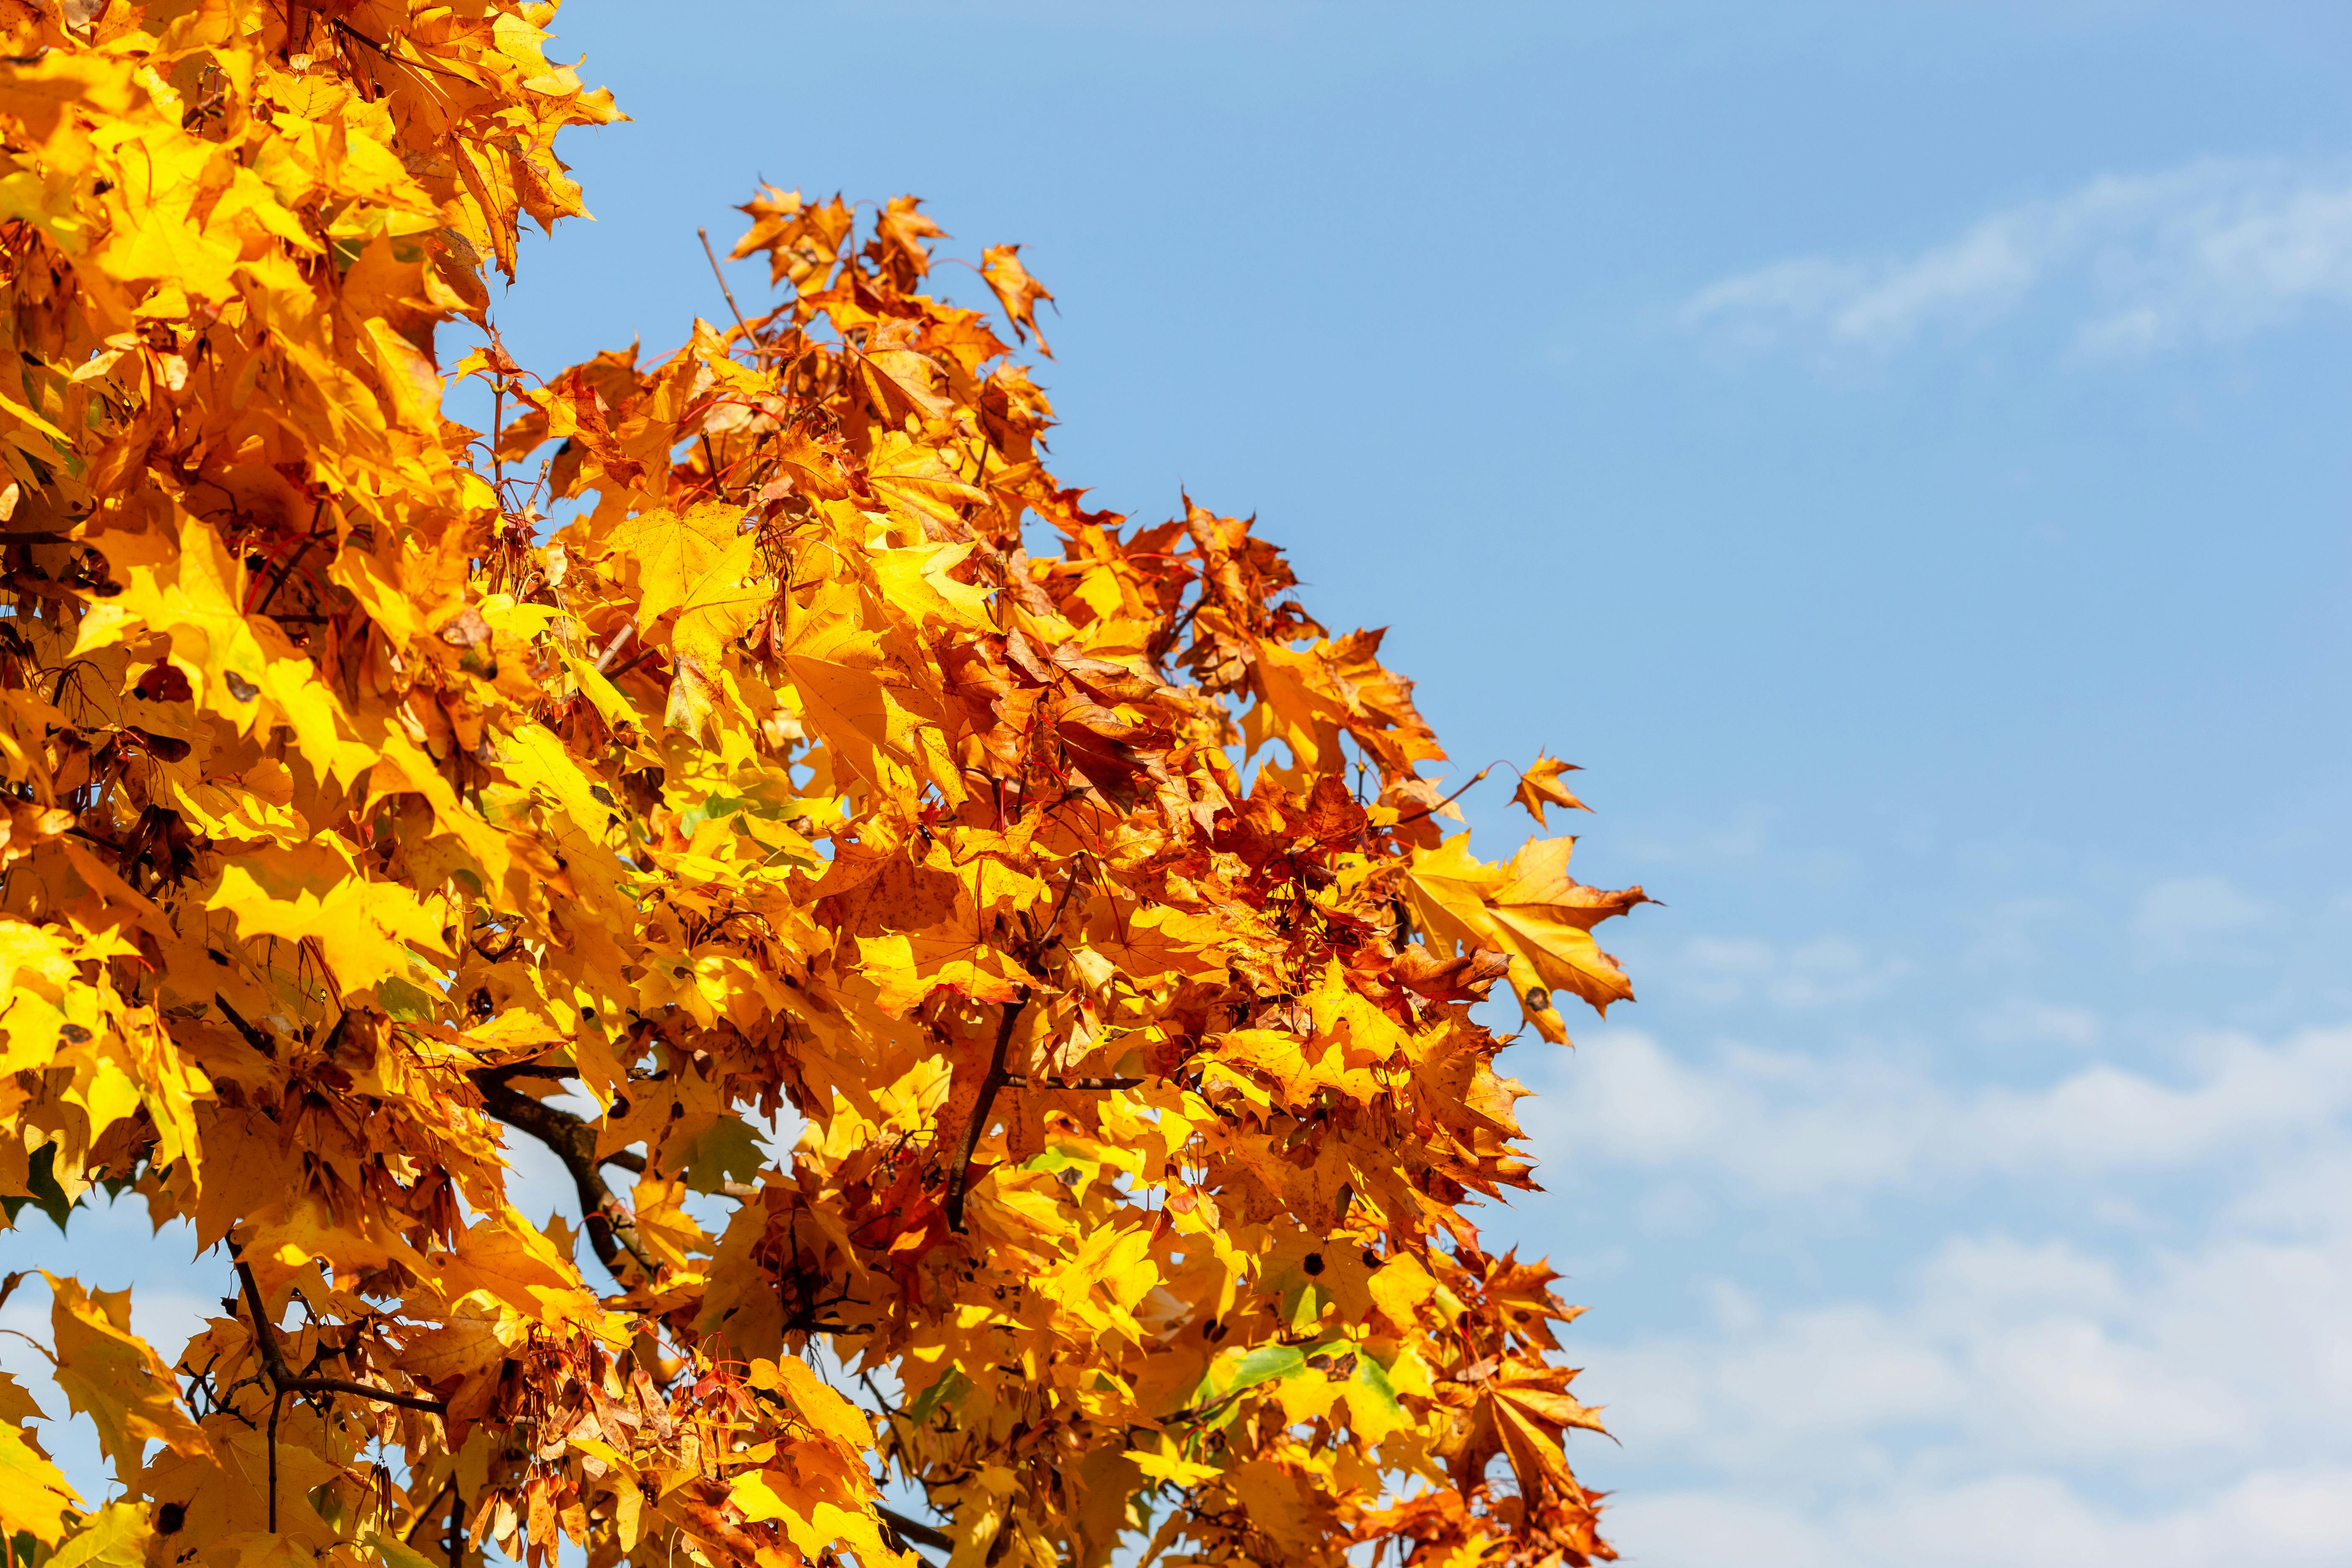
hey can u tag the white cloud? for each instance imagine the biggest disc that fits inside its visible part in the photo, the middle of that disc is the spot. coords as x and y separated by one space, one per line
2001 1410
2273 1519
1774 1124
2167 1396
1743 837
2216 249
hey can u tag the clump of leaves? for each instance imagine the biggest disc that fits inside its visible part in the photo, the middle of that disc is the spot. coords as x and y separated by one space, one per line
360 821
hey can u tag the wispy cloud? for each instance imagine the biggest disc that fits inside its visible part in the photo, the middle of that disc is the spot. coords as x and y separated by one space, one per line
1771 1124
2046 1401
2217 249
2018 1390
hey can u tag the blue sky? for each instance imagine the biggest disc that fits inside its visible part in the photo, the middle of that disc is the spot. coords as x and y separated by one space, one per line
1899 451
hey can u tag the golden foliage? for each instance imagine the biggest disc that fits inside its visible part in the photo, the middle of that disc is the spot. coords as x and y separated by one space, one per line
701 744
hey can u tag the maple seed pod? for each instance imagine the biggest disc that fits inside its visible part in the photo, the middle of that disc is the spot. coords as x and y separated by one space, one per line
168 748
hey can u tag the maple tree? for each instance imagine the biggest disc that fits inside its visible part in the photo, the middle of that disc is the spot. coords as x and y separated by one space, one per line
697 746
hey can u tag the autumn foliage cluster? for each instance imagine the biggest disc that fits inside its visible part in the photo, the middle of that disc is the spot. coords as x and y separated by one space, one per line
696 752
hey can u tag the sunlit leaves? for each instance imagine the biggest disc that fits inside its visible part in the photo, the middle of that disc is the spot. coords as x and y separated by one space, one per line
699 763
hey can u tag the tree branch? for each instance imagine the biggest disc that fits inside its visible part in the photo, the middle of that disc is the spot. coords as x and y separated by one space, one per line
959 1173
253 1036
611 1230
733 309
921 1534
612 649
1449 800
1021 1080
282 1378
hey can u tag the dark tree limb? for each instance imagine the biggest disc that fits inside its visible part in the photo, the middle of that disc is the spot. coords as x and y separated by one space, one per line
612 1229
277 1405
282 1377
960 1172
1022 1081
253 1036
909 1530
425 1513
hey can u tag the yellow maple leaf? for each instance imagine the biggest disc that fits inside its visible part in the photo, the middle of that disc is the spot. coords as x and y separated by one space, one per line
33 1495
1530 910
364 928
672 554
908 967
1539 787
115 1378
829 1414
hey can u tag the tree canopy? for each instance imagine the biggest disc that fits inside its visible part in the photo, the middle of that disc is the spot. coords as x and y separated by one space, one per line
699 751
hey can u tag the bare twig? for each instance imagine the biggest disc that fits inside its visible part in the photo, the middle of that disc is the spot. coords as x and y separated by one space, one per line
1449 800
612 649
276 1406
731 306
427 1511
253 1036
293 559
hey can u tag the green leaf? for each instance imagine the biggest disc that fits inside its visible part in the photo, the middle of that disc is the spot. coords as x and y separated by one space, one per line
1374 1378
728 1151
409 1004
41 1189
1267 1364
950 1389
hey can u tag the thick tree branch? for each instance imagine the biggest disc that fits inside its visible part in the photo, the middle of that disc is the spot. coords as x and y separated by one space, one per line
959 1172
612 1229
612 649
921 1534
